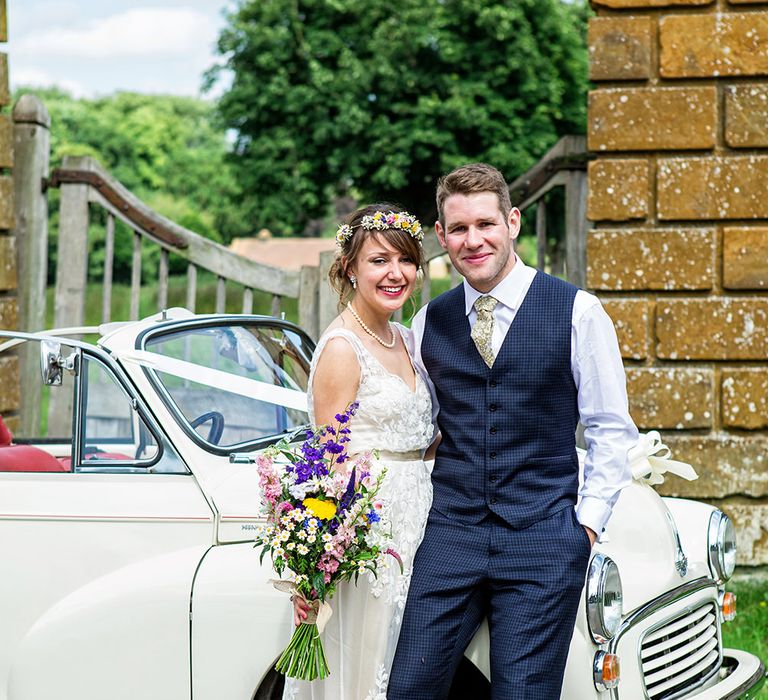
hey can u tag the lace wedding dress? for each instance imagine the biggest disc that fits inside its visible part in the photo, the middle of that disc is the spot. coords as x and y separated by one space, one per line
361 636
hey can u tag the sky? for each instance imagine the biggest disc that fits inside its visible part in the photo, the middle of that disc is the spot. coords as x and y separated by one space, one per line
97 47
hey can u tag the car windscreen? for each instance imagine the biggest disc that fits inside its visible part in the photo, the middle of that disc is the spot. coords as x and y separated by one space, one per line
235 384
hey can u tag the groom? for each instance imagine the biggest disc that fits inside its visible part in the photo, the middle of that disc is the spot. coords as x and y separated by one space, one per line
516 358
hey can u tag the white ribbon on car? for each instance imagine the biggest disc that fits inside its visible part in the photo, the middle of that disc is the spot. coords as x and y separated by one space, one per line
650 459
319 611
225 381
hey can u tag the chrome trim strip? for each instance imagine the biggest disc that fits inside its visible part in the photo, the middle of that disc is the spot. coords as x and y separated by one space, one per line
653 606
681 561
66 518
658 603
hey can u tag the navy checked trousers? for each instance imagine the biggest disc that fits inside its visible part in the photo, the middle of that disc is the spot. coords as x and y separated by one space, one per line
528 582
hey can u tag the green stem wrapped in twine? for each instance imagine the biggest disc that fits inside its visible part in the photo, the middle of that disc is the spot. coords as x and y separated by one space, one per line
304 657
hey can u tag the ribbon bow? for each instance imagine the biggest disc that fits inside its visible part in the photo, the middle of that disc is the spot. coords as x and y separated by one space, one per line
649 461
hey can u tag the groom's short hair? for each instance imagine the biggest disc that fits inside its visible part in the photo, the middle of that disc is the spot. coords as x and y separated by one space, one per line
471 178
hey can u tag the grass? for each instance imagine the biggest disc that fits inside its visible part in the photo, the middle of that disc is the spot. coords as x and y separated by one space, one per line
205 299
749 631
177 295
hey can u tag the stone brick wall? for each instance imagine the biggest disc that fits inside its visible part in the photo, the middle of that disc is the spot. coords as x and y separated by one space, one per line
9 371
678 191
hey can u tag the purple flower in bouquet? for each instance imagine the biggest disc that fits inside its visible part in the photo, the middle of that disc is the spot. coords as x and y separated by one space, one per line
334 447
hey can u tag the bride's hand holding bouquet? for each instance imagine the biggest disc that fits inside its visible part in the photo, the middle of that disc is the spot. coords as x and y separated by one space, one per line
325 524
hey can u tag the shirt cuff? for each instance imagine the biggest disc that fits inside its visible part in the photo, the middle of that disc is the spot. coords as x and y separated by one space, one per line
593 513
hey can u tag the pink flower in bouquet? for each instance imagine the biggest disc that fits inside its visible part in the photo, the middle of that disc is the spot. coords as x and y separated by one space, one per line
337 485
269 480
328 564
284 507
344 535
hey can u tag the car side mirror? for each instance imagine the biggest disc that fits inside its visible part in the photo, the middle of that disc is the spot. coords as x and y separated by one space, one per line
52 364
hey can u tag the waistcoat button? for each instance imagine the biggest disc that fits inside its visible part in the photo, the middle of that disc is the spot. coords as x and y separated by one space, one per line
493 501
492 407
492 455
493 383
493 430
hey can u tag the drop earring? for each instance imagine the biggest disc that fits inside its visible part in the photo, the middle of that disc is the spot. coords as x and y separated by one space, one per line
353 280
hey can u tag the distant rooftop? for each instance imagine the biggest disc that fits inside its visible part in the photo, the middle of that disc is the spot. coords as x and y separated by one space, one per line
288 253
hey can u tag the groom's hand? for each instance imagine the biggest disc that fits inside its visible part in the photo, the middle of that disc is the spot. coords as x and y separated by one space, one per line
591 534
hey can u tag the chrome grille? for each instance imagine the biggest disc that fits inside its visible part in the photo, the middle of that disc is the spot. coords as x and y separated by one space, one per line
680 654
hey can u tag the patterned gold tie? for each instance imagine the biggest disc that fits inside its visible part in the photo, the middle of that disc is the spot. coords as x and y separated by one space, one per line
482 331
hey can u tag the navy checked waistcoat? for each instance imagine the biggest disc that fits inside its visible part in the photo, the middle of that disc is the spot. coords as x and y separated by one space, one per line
508 432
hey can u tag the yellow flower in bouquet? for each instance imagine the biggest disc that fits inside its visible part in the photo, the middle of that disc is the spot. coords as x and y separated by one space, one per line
324 510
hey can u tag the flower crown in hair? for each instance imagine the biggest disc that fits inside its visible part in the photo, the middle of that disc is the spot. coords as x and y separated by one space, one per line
381 221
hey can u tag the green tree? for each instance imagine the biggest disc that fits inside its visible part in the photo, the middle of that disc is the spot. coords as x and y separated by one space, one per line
155 145
378 99
167 150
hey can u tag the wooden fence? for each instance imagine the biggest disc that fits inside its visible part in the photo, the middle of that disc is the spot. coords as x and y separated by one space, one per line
85 185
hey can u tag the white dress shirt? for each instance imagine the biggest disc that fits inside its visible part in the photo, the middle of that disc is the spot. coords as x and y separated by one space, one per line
598 374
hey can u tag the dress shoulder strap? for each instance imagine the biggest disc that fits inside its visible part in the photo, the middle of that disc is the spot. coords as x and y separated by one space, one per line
357 346
350 337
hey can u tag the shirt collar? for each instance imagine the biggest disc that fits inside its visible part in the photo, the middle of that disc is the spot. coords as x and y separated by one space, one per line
509 291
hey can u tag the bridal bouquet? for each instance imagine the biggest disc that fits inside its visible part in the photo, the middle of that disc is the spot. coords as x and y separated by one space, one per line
325 524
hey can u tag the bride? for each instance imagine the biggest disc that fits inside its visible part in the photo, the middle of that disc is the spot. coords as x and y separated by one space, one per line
362 357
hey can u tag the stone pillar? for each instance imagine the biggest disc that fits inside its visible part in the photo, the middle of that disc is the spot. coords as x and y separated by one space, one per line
9 367
678 191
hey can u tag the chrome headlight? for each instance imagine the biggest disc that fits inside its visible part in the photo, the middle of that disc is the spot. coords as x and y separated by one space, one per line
604 598
721 545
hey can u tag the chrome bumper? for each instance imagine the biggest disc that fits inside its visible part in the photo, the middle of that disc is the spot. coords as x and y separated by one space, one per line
745 676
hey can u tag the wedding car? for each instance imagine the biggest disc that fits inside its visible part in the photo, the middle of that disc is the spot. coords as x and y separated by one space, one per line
126 533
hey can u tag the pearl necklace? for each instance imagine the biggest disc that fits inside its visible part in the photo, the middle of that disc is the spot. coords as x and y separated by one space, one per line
390 344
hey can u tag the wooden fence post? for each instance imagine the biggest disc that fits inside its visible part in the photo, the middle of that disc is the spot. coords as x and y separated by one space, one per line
327 296
72 249
308 300
31 144
577 228
71 277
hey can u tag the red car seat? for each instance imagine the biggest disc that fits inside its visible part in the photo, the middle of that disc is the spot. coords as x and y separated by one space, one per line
24 458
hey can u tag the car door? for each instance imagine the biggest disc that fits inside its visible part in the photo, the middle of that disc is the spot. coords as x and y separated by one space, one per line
101 531
233 385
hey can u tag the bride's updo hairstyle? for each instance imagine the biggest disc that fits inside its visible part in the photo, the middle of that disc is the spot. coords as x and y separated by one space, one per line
387 221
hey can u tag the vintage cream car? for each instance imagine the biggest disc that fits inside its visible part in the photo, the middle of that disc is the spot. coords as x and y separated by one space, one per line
128 568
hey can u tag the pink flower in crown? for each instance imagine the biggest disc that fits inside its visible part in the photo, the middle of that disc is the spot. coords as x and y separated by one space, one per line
390 218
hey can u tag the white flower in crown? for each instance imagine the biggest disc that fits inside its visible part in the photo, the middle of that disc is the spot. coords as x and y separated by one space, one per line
344 232
381 221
